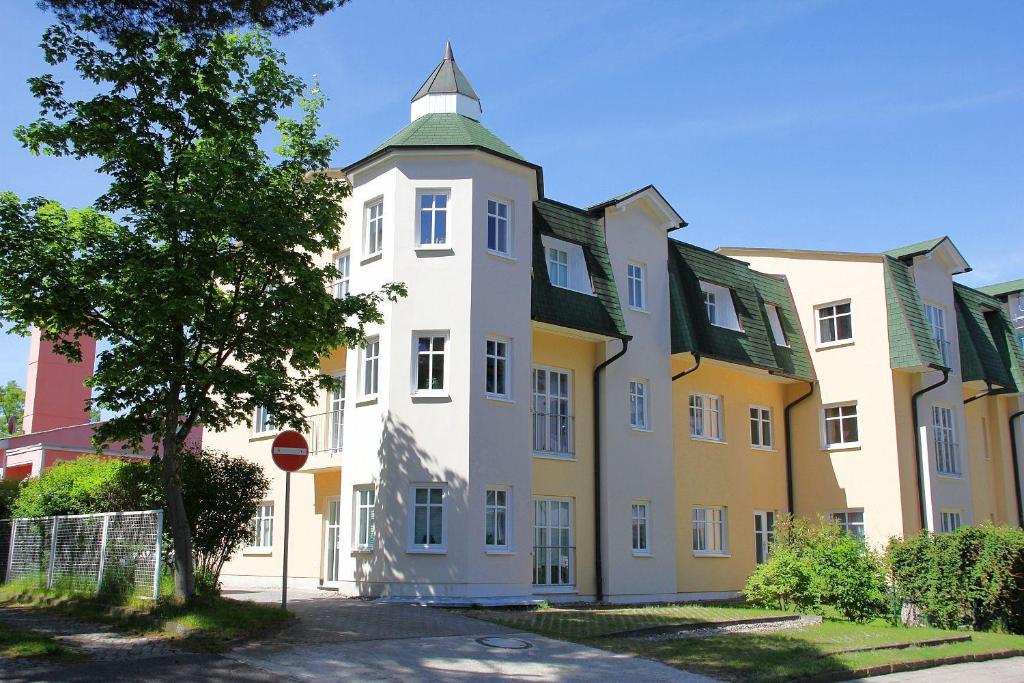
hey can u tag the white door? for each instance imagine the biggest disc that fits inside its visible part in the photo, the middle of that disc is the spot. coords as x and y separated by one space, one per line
553 561
332 540
764 534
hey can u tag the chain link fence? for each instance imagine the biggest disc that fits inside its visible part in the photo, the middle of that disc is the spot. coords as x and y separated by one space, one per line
112 551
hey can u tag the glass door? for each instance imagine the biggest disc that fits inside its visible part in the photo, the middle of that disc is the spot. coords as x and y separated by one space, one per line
553 561
764 534
332 540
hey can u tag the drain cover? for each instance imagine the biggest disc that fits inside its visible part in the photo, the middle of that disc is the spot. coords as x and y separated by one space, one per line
504 643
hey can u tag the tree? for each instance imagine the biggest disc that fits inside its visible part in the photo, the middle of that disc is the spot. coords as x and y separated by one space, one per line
200 265
112 18
12 405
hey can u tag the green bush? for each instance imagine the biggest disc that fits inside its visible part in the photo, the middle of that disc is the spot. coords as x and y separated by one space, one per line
85 485
973 577
783 582
8 492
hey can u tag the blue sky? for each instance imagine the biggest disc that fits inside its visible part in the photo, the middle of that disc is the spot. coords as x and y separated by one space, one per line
849 125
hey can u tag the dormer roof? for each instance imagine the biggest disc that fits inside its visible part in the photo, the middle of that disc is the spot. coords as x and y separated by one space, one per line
927 247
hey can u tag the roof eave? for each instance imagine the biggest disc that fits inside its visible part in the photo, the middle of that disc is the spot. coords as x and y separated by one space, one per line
675 221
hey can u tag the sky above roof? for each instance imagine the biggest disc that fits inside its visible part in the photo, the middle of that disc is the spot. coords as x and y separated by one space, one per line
817 125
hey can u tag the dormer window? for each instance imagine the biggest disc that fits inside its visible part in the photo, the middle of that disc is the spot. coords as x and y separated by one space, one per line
775 323
567 268
719 305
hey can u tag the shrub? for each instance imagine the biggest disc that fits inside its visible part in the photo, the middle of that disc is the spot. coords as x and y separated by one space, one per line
8 492
77 487
973 577
784 581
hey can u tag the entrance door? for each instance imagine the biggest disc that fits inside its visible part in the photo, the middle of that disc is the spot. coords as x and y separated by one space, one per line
332 540
553 561
336 415
764 534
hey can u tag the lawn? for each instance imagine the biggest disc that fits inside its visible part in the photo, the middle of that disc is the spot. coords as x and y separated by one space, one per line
783 655
17 642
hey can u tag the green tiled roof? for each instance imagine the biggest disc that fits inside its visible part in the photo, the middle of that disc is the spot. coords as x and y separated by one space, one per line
911 344
600 313
755 345
447 130
1003 288
988 346
915 249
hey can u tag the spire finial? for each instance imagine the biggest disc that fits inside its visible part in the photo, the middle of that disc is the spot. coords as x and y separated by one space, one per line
448 51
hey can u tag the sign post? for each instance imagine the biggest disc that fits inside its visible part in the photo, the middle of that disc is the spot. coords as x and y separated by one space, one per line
290 452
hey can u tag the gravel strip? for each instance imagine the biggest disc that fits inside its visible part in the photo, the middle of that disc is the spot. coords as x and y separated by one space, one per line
711 630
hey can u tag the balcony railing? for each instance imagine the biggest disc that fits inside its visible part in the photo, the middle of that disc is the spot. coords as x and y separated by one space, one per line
326 432
554 565
552 433
947 456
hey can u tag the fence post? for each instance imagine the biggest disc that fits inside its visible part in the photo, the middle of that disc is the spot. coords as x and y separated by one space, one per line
53 552
10 552
103 552
159 549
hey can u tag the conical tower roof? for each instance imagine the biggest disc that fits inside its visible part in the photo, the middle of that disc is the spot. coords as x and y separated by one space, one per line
446 79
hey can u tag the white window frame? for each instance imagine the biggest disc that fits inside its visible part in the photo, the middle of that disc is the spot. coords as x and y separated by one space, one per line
636 285
492 517
720 306
494 215
369 368
948 462
261 528
336 415
332 541
640 521
432 356
373 233
438 548
496 358
262 422
775 323
855 529
764 536
364 504
764 416
701 408
568 561
547 416
950 520
820 316
558 266
434 211
825 419
639 404
576 272
710 306
704 520
936 315
343 263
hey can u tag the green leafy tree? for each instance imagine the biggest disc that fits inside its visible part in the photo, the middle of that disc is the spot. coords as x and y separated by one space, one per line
12 405
77 487
200 265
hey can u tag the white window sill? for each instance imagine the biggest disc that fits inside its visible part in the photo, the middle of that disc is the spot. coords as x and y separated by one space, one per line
833 345
428 396
764 449
726 327
708 440
362 550
840 447
499 551
639 310
370 258
569 457
434 248
433 550
257 551
642 430
499 399
949 475
554 589
366 401
642 553
264 435
697 553
578 291
503 257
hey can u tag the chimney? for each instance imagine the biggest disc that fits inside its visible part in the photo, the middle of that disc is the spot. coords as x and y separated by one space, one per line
55 394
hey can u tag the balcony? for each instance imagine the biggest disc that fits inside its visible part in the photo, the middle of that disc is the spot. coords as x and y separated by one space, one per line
947 457
325 433
552 434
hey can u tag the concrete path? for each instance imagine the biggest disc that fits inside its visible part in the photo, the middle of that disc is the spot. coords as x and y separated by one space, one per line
338 638
994 671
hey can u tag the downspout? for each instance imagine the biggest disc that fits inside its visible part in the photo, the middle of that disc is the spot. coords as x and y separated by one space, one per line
598 546
917 440
981 394
789 446
1015 457
684 373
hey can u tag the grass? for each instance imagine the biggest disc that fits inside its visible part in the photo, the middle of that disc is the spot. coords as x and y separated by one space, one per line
17 642
784 655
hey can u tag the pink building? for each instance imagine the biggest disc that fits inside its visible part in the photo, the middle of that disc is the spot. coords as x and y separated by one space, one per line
56 423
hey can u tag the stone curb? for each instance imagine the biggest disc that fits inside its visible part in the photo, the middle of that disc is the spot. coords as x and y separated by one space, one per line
933 642
900 667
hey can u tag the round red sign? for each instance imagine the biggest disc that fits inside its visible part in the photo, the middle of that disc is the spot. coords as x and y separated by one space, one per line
290 450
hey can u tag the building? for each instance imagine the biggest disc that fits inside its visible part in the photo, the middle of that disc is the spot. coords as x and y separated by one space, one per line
572 405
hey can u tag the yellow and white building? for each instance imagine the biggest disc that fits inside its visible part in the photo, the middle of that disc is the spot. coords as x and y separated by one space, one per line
629 430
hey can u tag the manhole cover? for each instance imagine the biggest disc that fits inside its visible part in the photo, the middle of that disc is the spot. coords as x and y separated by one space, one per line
504 643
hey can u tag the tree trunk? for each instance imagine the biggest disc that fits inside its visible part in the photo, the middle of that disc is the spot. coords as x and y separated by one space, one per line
177 518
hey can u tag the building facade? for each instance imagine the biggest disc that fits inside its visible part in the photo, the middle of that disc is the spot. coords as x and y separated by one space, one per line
572 405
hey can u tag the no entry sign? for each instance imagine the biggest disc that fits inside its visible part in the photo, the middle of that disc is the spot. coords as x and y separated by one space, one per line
290 451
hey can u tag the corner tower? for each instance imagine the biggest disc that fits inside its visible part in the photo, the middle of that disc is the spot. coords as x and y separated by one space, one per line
446 91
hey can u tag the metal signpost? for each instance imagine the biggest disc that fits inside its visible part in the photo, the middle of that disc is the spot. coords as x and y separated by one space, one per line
289 451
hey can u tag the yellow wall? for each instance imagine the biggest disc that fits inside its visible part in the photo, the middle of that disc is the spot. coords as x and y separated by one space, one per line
572 478
732 474
989 460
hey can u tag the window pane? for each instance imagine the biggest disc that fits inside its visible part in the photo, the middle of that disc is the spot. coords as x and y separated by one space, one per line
440 226
435 525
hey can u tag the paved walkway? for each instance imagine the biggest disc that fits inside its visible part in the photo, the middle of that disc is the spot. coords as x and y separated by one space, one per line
338 638
994 671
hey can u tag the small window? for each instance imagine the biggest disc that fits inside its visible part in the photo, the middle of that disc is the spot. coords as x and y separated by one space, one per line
950 520
374 241
496 519
262 422
558 267
431 350
764 534
567 266
775 323
496 374
366 519
937 321
371 366
841 425
947 450
428 531
720 306
433 219
761 427
641 525
711 307
636 275
710 531
342 263
638 392
851 522
261 528
706 417
499 233
835 323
